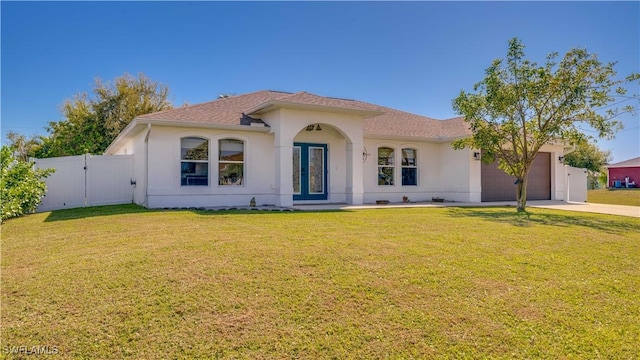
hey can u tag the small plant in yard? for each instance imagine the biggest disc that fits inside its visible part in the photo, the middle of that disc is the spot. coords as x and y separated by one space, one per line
21 186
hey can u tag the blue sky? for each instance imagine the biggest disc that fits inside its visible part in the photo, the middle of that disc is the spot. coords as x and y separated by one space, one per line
412 56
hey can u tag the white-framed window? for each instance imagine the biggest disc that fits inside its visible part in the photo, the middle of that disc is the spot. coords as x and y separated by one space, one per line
230 162
386 166
194 161
409 167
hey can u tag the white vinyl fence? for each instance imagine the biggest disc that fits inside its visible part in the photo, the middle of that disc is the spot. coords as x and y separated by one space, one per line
576 184
87 180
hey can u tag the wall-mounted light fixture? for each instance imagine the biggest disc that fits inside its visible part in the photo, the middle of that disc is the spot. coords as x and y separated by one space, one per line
477 155
560 159
365 154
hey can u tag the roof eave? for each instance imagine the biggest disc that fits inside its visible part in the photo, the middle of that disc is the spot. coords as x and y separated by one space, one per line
128 132
164 122
614 166
137 123
437 139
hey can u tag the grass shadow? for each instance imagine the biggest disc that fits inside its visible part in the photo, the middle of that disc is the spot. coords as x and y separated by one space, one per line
260 211
95 211
110 210
607 223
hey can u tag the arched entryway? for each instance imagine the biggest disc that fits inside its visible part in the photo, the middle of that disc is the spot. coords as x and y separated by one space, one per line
322 165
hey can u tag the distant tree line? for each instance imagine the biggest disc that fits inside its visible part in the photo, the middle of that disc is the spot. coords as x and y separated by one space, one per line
587 155
91 123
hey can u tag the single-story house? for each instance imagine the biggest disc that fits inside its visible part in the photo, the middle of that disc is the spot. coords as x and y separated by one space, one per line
298 148
624 174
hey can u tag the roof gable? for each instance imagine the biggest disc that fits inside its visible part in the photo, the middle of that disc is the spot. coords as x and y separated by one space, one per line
225 111
307 101
379 121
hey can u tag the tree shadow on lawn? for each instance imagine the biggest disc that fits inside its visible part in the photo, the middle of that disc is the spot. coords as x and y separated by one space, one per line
608 223
109 210
95 211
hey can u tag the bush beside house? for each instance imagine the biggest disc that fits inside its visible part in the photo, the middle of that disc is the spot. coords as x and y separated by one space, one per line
21 186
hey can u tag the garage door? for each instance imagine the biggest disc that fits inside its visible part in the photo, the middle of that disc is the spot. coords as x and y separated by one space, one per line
498 186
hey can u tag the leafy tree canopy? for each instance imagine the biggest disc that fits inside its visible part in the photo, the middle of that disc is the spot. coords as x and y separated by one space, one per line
91 123
520 106
23 148
21 186
588 156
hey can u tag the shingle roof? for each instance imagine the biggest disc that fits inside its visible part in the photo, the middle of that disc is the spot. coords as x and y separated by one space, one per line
312 99
627 163
391 122
225 111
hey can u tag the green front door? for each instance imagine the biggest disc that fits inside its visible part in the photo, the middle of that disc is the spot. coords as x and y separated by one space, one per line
309 171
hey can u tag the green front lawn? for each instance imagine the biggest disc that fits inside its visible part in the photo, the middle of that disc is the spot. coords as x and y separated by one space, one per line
124 282
630 197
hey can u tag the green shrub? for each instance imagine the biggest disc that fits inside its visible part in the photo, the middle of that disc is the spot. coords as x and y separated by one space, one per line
21 186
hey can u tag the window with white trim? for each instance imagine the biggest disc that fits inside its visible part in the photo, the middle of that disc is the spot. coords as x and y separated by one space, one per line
231 162
386 166
194 161
409 167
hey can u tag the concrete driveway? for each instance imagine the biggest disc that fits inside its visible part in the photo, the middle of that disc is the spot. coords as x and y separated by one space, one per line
632 211
622 210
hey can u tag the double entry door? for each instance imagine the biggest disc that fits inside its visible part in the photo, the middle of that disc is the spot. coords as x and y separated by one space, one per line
309 171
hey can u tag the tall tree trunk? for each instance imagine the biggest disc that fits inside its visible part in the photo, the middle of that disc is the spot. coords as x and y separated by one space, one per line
521 191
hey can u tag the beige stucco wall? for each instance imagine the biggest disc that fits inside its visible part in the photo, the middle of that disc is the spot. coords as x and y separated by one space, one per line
164 189
136 146
429 168
343 135
442 171
336 160
265 154
459 173
558 173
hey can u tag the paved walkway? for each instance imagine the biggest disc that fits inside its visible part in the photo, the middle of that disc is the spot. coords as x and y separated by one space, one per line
633 211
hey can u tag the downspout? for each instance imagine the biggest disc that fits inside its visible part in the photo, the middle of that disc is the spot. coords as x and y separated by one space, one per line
146 170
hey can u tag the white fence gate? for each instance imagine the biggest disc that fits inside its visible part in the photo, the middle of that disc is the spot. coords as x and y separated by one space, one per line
87 180
576 184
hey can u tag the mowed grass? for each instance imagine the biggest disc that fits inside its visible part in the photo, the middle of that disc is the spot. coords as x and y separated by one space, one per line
630 197
124 282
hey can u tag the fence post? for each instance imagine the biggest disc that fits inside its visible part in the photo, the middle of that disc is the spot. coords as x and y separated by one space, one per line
86 200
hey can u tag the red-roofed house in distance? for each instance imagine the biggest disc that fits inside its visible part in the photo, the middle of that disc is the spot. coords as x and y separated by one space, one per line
624 174
298 148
